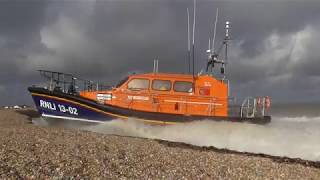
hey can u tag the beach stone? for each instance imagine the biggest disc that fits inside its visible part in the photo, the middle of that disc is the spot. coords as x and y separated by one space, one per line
34 152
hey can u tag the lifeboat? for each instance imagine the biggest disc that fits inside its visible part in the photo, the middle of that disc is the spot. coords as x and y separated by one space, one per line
156 98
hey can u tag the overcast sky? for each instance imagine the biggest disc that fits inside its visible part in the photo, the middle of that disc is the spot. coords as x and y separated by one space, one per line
275 48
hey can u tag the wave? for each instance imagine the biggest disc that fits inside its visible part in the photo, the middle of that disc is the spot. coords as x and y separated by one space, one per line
294 137
297 119
279 139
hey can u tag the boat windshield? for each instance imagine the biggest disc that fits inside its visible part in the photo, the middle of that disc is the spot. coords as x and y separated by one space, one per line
122 81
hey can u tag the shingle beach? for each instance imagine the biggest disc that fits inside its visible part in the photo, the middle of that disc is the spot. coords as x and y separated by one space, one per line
28 151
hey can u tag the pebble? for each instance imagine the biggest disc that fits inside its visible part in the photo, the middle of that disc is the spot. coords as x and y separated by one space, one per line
33 152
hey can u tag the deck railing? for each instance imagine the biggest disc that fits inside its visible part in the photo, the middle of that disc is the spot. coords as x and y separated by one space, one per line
67 83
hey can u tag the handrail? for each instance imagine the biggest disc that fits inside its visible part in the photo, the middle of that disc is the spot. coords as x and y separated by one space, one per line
253 107
68 83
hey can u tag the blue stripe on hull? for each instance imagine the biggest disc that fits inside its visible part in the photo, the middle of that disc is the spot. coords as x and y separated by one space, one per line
55 107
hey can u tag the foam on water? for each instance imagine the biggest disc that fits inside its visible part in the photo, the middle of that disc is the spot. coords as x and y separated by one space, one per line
295 137
299 119
291 137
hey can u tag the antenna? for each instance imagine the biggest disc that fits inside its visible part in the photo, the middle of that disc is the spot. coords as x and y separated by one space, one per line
193 29
194 19
227 39
189 70
215 30
155 66
227 29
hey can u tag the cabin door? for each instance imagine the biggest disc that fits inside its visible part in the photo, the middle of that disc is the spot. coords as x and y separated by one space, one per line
137 95
139 100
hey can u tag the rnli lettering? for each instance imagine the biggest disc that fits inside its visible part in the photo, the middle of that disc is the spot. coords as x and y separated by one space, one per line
48 105
61 108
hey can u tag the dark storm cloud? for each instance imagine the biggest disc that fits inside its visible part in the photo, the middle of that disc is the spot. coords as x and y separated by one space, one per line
273 49
20 25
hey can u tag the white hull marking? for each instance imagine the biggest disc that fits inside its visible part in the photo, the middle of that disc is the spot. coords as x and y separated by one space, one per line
70 118
216 104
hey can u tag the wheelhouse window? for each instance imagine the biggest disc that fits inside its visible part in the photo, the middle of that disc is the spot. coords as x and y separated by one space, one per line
161 85
182 86
138 84
122 81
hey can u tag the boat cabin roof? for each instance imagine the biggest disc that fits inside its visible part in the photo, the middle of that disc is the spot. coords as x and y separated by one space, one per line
187 77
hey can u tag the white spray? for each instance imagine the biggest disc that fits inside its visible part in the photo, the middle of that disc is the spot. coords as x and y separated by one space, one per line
297 139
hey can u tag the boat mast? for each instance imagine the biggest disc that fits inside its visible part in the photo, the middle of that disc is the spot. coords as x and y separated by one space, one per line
194 25
215 31
213 54
188 59
211 50
226 40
